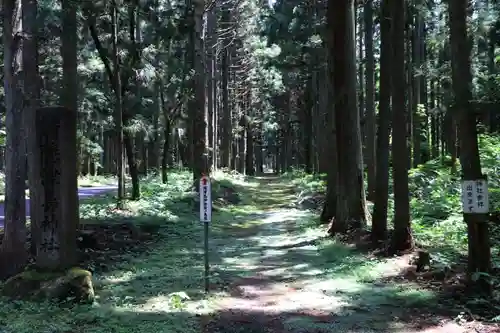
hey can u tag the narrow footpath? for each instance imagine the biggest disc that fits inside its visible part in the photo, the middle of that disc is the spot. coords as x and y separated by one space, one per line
282 275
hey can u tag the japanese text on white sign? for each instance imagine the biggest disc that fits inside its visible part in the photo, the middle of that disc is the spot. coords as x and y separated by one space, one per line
475 196
205 200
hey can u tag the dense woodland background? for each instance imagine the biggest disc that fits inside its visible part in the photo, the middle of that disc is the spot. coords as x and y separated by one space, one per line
388 103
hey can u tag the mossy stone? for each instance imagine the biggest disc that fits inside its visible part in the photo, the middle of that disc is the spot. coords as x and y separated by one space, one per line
74 284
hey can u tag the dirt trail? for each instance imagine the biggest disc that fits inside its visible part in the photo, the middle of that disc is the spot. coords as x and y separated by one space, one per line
279 280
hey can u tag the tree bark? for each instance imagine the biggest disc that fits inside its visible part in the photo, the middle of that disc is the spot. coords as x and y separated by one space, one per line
13 253
31 104
379 223
402 237
351 210
477 224
370 125
197 106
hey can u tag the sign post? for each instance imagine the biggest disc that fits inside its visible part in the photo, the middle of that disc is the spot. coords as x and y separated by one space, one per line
206 218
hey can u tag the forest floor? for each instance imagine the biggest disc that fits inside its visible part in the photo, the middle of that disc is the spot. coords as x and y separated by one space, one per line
283 275
272 270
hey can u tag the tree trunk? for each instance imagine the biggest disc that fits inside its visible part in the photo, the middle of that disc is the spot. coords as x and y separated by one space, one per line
13 253
370 125
351 210
69 50
249 144
226 123
330 205
166 150
417 43
197 106
477 224
379 223
118 112
132 160
402 238
32 102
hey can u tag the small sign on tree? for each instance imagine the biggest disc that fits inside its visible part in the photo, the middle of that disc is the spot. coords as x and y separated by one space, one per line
475 196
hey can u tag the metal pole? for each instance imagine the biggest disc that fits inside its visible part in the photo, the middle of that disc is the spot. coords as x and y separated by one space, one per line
207 265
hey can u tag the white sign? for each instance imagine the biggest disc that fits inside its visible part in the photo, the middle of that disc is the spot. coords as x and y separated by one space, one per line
475 196
205 199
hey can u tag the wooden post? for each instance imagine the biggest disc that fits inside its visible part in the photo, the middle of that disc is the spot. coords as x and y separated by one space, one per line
56 211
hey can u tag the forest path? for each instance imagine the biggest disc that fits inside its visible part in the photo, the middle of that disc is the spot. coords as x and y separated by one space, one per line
280 274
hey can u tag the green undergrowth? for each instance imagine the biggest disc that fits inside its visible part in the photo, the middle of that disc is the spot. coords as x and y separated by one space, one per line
435 200
254 229
159 290
306 183
345 270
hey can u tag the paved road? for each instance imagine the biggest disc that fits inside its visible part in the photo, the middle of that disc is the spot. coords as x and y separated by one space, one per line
83 192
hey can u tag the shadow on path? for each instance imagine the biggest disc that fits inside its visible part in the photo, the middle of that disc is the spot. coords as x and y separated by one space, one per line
272 270
278 275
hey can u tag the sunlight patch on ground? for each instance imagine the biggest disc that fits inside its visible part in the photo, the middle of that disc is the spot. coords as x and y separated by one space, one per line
174 302
280 215
332 286
236 179
274 241
311 273
139 291
162 290
121 278
375 268
278 298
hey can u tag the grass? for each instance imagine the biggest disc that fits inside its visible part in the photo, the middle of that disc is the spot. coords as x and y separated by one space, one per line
288 248
140 292
435 201
161 289
151 206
